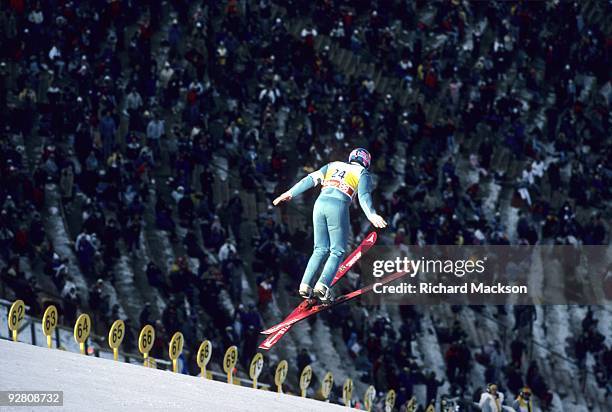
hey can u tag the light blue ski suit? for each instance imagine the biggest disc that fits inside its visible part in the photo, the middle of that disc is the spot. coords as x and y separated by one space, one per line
330 215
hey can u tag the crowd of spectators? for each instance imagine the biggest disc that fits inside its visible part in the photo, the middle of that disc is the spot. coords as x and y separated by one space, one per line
133 112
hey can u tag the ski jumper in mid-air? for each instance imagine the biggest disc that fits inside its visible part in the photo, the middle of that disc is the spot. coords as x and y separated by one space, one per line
340 182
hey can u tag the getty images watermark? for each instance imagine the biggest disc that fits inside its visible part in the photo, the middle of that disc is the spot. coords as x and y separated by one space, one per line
489 275
422 266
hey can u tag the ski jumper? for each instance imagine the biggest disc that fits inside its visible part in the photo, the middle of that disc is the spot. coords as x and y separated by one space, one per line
340 182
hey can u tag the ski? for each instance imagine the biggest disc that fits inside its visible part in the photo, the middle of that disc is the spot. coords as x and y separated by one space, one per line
350 261
272 339
343 269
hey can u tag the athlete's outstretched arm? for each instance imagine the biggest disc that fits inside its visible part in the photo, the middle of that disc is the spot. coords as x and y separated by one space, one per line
364 191
308 182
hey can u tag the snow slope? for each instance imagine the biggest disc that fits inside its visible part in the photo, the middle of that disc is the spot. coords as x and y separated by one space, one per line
94 384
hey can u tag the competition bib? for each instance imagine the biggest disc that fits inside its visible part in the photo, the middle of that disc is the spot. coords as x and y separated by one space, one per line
343 177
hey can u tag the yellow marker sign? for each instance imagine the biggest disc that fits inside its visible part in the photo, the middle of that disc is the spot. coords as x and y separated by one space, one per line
327 385
175 349
145 341
390 401
150 362
229 362
430 408
411 405
16 315
347 392
280 375
115 337
49 322
82 329
256 368
305 379
204 354
368 398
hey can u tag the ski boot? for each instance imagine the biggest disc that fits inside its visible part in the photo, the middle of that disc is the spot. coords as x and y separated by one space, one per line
323 293
306 292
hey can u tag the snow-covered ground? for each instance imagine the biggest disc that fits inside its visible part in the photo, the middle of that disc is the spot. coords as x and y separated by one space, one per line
94 384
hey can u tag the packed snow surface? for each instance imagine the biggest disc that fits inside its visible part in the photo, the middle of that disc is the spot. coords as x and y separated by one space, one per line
94 384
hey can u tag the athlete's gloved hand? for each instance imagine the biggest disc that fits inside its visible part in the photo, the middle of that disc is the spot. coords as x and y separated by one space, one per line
282 198
378 221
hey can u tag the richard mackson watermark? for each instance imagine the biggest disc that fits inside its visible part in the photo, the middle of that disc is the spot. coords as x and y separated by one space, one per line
488 274
423 266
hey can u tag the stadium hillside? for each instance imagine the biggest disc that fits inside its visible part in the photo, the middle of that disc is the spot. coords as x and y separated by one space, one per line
94 384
